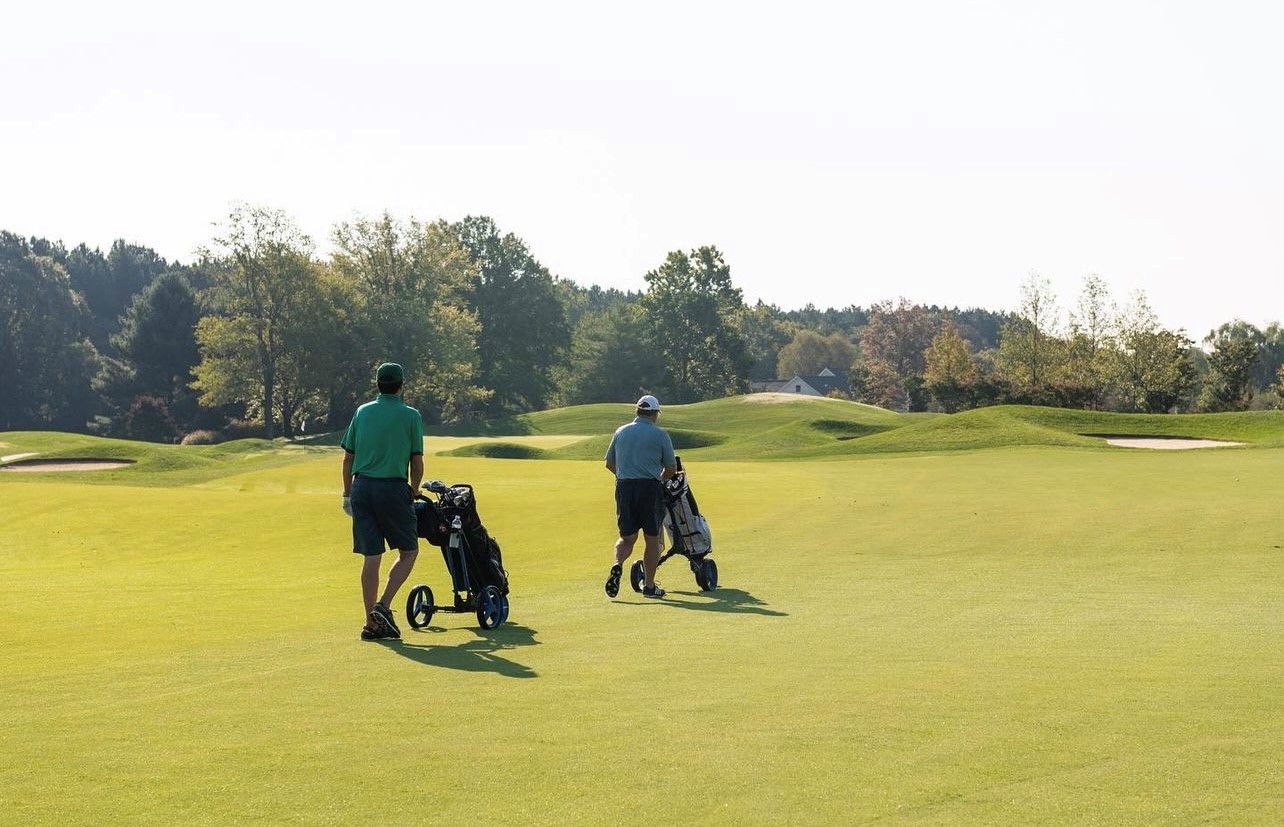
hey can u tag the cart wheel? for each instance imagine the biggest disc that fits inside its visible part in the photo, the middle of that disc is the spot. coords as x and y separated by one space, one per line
636 576
503 598
709 570
419 607
698 570
490 609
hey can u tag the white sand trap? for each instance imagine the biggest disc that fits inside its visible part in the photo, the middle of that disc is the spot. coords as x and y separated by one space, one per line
1167 443
66 465
772 398
13 457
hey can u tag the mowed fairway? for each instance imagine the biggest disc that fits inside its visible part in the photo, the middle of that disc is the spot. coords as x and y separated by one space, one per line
1025 635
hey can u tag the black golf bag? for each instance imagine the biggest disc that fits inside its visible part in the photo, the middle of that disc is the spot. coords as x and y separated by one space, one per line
485 563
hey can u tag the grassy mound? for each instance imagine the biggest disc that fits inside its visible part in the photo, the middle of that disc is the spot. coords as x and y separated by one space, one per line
157 464
498 450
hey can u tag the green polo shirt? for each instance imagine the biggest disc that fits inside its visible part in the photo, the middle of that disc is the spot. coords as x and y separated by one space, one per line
383 436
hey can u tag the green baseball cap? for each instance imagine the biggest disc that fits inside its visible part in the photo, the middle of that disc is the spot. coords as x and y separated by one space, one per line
390 372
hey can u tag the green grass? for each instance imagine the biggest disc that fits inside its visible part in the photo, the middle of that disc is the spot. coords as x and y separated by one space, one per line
1009 634
153 464
748 428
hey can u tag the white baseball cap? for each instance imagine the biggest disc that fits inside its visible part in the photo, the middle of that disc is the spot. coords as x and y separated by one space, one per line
648 403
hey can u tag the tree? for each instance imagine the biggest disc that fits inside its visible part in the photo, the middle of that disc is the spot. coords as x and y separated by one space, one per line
882 386
606 365
158 337
46 360
766 333
109 283
523 330
148 419
1091 345
950 373
1233 362
413 280
263 274
692 314
897 337
1271 354
1030 353
808 353
1153 371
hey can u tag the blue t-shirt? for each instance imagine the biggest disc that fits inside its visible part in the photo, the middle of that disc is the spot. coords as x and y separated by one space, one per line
640 450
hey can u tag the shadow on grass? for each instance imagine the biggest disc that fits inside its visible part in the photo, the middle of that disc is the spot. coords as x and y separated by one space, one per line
722 599
477 655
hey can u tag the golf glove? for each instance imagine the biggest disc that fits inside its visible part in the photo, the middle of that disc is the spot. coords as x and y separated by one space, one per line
347 506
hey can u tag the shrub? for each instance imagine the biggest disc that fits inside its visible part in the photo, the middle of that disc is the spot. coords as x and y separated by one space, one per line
148 419
203 438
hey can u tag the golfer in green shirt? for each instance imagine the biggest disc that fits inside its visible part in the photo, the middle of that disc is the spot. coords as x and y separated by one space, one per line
384 443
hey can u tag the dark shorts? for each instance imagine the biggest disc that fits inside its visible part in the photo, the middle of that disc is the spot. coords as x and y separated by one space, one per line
639 505
383 511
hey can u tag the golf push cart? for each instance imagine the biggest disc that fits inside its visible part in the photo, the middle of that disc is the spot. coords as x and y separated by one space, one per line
688 531
478 579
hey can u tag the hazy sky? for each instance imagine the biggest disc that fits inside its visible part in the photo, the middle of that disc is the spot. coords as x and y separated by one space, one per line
837 153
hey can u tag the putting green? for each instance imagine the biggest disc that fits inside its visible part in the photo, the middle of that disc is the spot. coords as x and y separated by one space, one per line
1006 636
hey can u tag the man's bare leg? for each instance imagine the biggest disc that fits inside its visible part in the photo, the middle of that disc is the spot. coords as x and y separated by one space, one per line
397 575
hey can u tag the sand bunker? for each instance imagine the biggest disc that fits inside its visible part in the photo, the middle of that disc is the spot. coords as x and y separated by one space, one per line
33 465
1166 443
786 397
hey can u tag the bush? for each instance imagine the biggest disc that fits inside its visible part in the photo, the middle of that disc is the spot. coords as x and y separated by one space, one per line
148 419
203 438
243 429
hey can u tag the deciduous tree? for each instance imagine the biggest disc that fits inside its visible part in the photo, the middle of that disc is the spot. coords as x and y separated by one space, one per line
46 359
1153 371
1233 362
414 280
1031 354
523 331
950 372
263 275
691 312
808 353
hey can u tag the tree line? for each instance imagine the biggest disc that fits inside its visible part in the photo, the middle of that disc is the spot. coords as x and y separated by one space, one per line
260 335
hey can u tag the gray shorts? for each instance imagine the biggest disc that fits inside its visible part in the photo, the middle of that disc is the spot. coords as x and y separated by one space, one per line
383 511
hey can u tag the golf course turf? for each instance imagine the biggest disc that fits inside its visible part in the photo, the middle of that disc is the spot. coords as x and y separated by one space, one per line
989 618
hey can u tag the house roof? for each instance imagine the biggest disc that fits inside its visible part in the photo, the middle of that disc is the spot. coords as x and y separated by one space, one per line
822 383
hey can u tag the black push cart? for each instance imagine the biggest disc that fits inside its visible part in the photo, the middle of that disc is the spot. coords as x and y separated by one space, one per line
479 583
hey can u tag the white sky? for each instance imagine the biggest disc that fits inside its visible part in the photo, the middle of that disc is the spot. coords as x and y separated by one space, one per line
837 153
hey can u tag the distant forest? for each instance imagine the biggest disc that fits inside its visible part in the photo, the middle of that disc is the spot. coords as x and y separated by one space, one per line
261 336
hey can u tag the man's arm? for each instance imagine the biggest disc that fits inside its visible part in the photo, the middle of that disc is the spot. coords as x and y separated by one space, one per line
416 471
668 472
347 473
610 465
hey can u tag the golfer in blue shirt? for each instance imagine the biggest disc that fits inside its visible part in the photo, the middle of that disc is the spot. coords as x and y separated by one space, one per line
641 458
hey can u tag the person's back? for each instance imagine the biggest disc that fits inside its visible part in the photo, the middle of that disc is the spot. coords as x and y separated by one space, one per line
640 456
383 464
639 450
384 434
